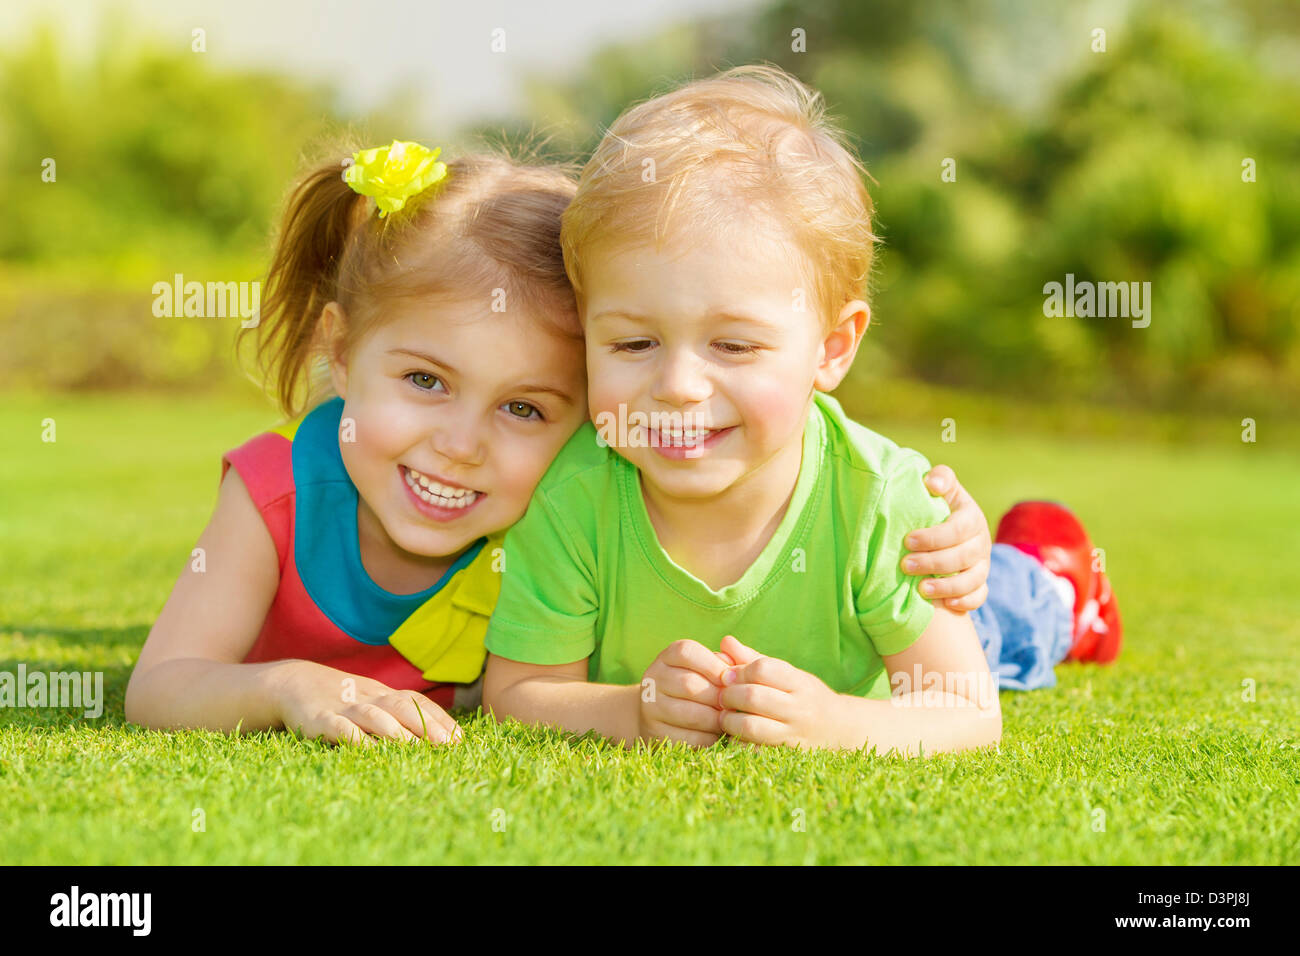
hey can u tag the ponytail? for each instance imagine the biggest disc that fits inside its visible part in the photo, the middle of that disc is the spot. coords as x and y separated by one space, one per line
319 220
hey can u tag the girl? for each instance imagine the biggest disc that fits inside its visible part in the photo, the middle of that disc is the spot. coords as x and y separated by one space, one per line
364 535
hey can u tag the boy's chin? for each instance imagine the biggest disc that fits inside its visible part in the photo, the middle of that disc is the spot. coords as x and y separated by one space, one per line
703 480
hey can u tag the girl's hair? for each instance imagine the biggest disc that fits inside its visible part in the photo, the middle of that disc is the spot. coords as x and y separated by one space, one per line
701 155
490 229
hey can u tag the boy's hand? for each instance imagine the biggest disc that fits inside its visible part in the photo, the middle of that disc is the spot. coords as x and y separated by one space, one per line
679 695
959 547
766 700
319 701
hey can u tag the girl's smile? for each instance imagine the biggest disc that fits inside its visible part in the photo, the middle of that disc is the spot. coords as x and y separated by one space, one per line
437 498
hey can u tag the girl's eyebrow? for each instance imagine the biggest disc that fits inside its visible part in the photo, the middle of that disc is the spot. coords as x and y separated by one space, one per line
535 389
425 356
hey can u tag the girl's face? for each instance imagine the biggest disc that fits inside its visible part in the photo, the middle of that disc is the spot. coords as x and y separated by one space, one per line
452 413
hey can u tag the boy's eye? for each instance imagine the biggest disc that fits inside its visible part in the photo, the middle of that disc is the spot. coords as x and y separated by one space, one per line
632 345
523 410
735 348
425 382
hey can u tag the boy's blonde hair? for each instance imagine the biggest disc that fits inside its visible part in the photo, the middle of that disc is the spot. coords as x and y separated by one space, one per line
753 136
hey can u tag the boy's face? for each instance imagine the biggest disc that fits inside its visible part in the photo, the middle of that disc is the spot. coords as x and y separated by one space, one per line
723 332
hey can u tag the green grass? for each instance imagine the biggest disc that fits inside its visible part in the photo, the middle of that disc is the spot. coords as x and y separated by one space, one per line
1200 541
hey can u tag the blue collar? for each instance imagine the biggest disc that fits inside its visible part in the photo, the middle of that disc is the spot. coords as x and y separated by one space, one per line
327 550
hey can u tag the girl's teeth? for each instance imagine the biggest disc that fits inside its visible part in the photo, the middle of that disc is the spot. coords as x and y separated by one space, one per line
436 493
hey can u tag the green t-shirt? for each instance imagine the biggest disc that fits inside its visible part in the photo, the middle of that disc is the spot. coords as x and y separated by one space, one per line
585 576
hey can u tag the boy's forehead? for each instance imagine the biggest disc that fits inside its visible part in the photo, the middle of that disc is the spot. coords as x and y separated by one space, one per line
726 263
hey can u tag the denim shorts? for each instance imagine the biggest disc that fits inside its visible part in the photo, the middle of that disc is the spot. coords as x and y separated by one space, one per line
1024 626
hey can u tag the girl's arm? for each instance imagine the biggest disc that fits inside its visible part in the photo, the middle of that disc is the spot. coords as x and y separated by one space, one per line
187 674
190 674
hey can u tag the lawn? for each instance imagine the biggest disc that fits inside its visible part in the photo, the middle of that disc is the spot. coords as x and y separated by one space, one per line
1186 751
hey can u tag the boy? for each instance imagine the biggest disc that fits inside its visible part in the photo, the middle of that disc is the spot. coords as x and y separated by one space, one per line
719 245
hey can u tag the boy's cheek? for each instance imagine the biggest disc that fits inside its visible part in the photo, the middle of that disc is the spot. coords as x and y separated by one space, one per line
606 392
774 409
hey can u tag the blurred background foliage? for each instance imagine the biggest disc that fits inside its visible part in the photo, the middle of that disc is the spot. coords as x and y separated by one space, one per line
1123 165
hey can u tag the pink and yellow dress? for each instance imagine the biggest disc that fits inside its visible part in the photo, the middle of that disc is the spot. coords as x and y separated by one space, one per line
327 608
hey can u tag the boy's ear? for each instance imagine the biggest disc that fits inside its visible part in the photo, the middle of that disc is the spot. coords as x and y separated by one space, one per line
332 326
841 345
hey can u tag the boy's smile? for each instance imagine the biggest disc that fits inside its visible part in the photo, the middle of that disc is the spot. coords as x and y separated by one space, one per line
709 333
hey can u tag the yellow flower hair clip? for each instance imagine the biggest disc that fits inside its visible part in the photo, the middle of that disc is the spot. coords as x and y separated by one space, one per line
394 173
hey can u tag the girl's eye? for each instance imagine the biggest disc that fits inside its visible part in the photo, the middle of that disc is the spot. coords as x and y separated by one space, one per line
735 348
424 381
523 410
632 345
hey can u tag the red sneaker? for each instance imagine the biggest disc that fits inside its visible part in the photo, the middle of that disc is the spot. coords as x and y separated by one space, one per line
1107 625
1051 533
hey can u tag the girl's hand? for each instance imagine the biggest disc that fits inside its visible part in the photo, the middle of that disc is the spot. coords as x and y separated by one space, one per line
960 547
679 695
766 700
320 701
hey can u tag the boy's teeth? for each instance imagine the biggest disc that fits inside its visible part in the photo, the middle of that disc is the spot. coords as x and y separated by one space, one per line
439 494
690 436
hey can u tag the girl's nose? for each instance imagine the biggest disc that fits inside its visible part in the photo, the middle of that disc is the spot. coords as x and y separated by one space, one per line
458 438
681 379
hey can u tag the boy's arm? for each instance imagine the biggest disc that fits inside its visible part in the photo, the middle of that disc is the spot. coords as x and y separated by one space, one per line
677 698
559 695
953 707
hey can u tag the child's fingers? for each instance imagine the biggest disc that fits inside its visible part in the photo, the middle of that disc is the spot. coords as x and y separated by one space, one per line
753 728
686 714
684 684
337 729
941 480
758 699
771 671
970 602
694 656
958 585
374 719
960 557
737 651
422 717
961 525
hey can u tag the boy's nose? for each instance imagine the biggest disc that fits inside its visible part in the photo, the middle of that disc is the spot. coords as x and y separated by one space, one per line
681 379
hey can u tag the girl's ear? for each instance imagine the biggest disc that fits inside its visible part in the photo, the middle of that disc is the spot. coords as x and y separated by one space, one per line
841 345
332 326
